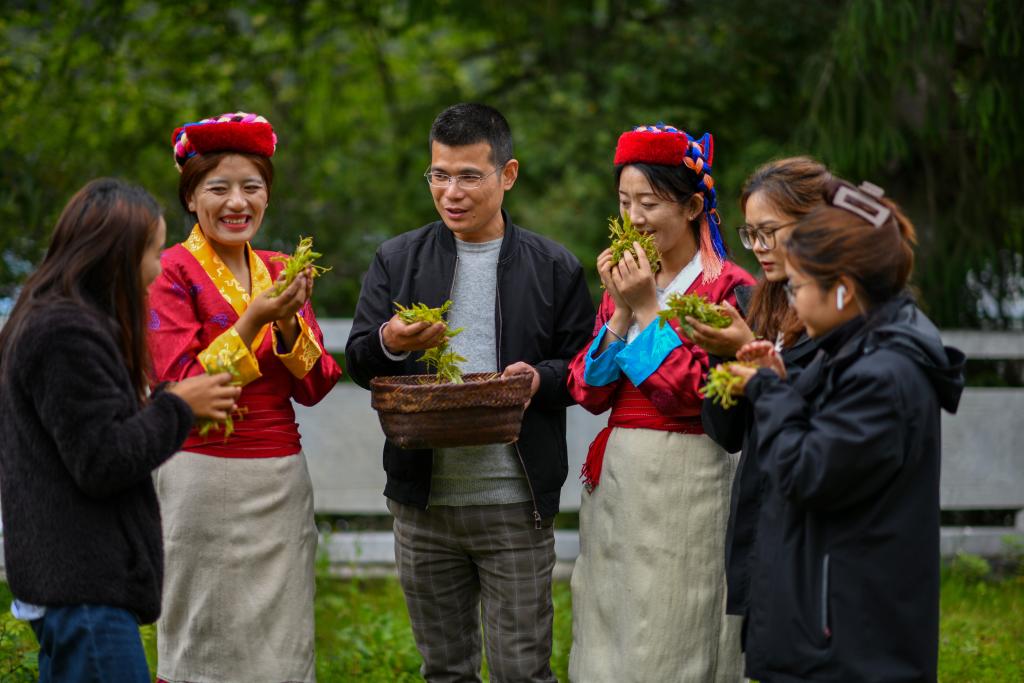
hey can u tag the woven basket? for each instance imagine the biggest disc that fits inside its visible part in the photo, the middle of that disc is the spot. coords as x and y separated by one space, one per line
416 412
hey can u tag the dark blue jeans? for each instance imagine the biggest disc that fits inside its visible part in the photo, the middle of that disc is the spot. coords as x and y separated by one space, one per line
90 644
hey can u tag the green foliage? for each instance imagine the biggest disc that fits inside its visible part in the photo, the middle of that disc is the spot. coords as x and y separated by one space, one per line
441 360
18 647
421 313
304 257
969 568
1013 554
681 306
720 385
922 97
624 234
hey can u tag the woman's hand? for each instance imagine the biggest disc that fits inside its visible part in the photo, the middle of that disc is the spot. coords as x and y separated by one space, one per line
622 316
634 279
209 396
763 355
745 373
267 308
722 342
604 269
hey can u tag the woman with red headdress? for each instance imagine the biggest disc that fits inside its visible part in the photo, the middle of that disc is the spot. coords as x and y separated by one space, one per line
648 587
238 507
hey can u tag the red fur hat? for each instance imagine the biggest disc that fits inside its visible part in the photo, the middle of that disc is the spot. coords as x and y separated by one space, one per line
662 147
238 132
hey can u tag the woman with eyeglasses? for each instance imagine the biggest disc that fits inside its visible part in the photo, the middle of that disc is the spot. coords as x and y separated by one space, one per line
648 586
844 570
774 198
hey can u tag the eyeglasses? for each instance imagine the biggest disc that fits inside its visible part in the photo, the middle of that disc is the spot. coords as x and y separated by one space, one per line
764 237
466 182
790 290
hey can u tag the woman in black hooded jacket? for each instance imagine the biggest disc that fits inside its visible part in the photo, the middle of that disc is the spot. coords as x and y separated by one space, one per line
845 567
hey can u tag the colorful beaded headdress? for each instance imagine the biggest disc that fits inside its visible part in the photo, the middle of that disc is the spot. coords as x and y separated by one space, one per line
663 145
238 132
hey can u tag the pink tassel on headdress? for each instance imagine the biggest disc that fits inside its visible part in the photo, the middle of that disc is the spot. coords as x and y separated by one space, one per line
710 261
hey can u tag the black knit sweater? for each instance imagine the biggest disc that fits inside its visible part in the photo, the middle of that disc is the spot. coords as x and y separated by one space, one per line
80 514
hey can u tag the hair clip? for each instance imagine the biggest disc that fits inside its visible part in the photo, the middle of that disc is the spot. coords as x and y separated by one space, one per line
863 201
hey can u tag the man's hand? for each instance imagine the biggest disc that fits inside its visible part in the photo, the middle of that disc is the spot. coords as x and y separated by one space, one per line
522 368
400 337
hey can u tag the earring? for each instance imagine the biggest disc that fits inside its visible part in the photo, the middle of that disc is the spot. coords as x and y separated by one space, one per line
840 293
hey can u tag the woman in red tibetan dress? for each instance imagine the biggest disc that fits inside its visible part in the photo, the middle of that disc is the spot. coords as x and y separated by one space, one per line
238 508
648 587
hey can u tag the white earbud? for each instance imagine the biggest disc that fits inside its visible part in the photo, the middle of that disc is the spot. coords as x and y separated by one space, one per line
840 293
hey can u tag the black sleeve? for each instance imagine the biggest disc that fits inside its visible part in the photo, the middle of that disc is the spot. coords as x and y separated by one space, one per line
726 427
80 397
573 329
364 355
842 453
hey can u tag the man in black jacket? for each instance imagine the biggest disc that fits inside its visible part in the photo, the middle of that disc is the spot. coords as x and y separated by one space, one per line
473 525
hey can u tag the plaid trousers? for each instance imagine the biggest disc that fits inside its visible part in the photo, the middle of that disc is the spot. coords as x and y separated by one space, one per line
456 563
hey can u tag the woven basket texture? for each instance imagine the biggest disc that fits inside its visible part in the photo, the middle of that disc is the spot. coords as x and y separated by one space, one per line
416 412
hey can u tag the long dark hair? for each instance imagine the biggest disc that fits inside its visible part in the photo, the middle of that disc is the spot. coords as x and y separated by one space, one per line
94 260
794 186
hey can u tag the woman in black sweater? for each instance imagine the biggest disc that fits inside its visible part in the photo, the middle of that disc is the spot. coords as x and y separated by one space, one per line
80 434
844 581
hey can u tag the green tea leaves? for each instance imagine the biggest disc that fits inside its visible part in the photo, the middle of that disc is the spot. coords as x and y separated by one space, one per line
624 234
303 257
695 306
720 385
222 363
441 360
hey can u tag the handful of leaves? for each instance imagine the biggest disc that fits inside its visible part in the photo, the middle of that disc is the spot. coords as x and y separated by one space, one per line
442 360
695 306
624 234
303 257
421 313
222 364
720 384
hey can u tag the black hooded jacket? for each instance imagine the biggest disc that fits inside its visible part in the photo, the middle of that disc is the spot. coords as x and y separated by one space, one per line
543 316
844 582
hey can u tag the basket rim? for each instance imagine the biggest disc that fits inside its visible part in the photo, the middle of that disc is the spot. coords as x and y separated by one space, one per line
469 381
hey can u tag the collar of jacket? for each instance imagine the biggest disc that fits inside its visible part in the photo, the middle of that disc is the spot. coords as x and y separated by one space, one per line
509 241
848 339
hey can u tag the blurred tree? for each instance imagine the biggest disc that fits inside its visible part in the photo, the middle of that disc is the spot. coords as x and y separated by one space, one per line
917 95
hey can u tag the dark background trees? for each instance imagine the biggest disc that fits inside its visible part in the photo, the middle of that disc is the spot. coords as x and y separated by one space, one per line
922 97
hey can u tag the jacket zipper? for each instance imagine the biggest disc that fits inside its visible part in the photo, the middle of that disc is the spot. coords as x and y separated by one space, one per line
497 343
536 514
824 597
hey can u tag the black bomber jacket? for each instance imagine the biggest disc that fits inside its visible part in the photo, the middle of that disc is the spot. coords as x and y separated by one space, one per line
543 316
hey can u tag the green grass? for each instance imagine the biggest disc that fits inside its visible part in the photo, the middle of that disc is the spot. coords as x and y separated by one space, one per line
363 631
